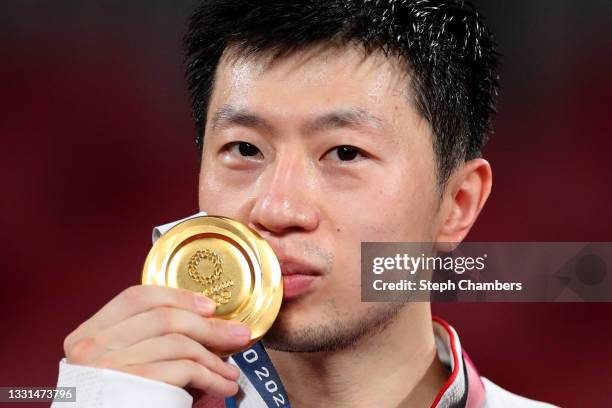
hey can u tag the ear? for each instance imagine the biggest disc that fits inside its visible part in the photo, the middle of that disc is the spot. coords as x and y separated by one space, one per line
466 192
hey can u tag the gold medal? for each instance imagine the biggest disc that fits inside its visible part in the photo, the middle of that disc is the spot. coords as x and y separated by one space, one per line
227 262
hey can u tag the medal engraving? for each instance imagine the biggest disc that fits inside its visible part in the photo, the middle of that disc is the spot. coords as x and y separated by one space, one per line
213 289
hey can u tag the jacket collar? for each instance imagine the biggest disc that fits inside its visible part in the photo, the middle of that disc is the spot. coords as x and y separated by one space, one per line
463 389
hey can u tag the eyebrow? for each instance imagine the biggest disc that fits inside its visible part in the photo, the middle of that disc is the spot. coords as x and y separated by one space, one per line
229 115
346 117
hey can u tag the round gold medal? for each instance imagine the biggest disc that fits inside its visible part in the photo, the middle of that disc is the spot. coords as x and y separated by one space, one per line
225 261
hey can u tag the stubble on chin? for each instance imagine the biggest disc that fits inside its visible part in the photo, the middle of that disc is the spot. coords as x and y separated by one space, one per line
330 332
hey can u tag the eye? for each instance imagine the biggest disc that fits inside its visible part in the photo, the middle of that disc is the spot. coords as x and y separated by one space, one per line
345 153
243 149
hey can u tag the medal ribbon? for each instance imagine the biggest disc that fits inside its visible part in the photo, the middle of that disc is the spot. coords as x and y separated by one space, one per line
255 363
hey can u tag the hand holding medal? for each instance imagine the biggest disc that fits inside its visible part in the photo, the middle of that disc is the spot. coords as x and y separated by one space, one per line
163 331
225 261
235 267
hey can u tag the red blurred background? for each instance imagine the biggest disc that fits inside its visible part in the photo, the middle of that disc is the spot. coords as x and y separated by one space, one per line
97 147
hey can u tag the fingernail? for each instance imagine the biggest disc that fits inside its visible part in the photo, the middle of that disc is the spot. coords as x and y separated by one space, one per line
204 304
240 330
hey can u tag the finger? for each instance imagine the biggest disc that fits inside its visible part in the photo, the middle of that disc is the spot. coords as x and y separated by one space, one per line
138 299
167 348
185 372
213 333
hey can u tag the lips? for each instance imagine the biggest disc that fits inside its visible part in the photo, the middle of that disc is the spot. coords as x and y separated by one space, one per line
297 268
299 278
300 275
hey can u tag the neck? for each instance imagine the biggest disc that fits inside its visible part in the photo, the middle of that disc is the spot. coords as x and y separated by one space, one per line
396 367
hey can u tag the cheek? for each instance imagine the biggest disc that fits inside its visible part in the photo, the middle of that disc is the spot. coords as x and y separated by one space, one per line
215 195
390 213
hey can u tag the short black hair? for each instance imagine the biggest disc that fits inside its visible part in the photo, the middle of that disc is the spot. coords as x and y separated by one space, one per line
448 51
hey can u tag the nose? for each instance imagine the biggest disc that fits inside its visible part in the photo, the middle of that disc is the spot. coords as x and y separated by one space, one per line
285 203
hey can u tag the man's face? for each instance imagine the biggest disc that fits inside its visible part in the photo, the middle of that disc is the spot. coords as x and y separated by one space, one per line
318 152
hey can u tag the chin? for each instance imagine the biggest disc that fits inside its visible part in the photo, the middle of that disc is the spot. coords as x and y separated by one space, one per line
293 316
281 336
323 328
288 330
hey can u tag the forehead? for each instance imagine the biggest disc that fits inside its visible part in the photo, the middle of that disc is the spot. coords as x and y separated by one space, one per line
307 82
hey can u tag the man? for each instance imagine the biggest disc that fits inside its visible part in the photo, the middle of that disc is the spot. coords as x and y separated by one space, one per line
321 124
